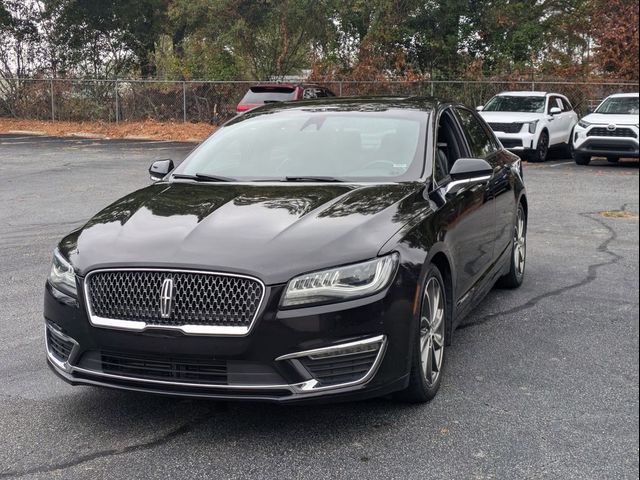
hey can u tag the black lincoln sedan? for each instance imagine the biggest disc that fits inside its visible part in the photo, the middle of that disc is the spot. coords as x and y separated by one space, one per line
305 251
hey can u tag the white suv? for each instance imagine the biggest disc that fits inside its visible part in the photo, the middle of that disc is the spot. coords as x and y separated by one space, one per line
531 123
610 131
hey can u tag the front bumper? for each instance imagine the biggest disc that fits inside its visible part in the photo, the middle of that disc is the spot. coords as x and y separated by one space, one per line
622 141
517 142
289 356
606 146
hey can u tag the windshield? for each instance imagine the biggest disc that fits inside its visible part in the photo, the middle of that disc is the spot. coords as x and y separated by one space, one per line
619 106
505 103
359 146
257 95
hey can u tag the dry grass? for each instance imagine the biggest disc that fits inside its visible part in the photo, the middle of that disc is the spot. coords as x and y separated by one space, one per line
147 129
618 214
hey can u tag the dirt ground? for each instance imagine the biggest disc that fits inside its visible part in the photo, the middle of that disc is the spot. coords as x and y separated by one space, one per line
148 129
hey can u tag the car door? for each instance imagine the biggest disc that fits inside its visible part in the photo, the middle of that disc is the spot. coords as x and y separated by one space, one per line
556 123
470 236
570 119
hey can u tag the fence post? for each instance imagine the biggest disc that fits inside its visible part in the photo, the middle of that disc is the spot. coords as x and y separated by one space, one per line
340 88
184 102
432 91
53 103
117 104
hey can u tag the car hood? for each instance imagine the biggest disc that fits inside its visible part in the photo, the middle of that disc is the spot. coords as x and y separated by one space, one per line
270 231
607 119
511 117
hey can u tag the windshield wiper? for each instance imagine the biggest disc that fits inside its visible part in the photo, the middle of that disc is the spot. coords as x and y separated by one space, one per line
203 177
311 179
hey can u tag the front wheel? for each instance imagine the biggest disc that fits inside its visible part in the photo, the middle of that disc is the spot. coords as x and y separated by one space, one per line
428 355
513 279
542 150
581 158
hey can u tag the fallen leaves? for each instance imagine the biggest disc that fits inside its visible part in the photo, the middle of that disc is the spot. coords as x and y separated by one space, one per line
147 129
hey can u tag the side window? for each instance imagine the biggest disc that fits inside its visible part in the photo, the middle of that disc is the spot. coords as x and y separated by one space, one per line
480 141
555 102
567 105
309 93
329 93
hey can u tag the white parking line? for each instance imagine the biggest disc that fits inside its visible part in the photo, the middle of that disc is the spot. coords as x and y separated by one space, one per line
559 164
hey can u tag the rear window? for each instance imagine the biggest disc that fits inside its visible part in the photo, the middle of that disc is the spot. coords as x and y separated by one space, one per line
268 94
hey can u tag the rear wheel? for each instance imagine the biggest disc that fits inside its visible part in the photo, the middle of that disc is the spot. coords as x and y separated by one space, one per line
428 355
514 278
581 158
542 150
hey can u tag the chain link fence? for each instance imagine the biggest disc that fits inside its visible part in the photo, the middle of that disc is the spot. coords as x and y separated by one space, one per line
215 101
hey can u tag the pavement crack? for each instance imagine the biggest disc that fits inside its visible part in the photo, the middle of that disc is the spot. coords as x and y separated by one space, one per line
592 273
161 440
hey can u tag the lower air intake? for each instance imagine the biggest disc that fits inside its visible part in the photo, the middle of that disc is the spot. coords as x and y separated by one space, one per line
60 348
342 369
187 369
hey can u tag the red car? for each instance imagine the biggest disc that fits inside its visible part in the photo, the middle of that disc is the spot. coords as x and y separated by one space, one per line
280 92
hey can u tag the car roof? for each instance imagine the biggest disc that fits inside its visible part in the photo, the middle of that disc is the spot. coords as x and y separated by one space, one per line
526 94
620 95
362 104
285 84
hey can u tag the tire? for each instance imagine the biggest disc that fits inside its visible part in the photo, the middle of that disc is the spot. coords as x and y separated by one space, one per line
542 149
581 158
426 373
517 263
567 149
613 159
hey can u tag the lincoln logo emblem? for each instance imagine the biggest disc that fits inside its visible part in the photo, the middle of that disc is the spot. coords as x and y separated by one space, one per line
166 298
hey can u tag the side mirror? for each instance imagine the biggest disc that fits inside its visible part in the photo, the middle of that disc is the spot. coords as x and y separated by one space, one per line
468 171
479 108
555 111
160 168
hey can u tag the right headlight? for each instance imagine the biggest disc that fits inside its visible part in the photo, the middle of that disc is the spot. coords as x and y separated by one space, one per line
61 276
341 283
584 124
532 126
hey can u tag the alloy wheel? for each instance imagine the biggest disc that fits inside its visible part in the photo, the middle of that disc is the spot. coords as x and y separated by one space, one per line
543 147
432 322
519 244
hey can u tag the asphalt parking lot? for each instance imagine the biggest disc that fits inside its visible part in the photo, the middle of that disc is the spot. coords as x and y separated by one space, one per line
541 382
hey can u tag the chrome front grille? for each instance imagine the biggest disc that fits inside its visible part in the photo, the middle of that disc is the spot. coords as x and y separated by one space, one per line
506 127
193 299
616 132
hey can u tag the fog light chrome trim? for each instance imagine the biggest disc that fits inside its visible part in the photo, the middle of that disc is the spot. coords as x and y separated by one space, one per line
63 365
369 344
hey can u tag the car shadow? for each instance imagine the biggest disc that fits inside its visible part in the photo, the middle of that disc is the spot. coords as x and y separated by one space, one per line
128 412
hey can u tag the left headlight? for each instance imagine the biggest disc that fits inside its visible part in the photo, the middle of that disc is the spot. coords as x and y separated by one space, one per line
584 124
341 283
62 277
